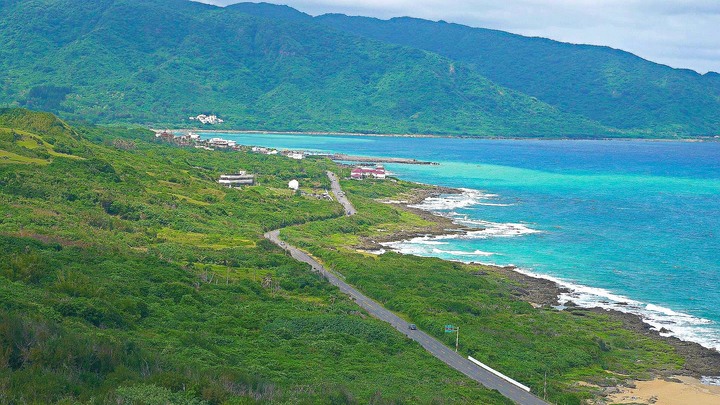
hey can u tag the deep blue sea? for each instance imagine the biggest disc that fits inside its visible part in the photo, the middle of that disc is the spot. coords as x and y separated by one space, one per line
630 225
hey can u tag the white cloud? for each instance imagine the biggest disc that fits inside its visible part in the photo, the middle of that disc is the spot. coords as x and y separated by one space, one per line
680 33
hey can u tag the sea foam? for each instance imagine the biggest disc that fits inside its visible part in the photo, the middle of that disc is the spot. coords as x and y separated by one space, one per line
468 197
666 321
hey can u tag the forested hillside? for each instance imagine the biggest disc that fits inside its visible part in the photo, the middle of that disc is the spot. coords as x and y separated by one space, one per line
268 67
160 61
610 86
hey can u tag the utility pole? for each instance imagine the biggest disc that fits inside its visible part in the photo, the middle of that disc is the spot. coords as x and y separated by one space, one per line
457 338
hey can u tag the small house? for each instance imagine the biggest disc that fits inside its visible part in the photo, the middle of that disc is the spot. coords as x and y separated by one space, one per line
377 172
237 179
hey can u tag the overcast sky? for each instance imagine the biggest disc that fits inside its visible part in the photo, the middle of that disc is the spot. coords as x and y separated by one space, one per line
679 33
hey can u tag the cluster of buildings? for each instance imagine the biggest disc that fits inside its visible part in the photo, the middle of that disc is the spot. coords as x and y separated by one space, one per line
289 153
264 151
377 172
193 139
207 119
221 143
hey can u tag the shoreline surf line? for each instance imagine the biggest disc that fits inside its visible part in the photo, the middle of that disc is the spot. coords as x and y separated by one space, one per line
657 317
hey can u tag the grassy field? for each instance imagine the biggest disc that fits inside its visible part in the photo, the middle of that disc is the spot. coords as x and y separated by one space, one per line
551 351
129 276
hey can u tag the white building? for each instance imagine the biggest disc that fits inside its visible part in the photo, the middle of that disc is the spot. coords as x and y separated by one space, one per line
221 143
207 119
237 179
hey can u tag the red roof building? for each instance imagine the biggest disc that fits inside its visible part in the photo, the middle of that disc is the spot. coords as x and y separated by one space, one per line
359 173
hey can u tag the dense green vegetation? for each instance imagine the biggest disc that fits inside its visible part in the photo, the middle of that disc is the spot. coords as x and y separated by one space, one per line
610 86
160 61
129 276
496 326
261 66
613 87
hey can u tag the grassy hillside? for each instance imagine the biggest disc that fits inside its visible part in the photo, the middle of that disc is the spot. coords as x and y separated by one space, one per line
160 61
570 355
610 86
128 275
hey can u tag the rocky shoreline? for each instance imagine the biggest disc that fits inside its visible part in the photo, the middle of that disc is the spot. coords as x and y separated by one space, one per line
440 225
699 360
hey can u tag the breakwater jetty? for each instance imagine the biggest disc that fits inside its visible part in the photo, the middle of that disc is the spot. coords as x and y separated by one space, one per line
367 159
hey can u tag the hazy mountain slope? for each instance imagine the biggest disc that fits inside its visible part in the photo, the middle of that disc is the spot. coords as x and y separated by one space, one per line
159 61
611 86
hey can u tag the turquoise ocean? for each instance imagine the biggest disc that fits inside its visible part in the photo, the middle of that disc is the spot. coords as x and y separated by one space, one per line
628 225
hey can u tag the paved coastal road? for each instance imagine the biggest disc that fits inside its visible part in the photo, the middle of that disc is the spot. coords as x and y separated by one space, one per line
339 195
432 345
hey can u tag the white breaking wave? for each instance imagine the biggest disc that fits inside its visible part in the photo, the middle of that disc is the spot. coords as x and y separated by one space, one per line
495 204
463 253
467 198
710 380
420 240
664 320
499 230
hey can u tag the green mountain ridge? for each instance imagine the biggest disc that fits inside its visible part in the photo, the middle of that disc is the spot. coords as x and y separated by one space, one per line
607 85
159 62
610 86
268 67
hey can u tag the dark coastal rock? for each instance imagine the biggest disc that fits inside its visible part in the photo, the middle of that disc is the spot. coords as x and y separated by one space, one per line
517 291
699 361
610 391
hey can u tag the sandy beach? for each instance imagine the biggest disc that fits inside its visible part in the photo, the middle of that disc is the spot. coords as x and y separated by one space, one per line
674 391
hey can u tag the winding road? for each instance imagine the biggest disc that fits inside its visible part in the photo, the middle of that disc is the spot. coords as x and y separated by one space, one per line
340 195
432 345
